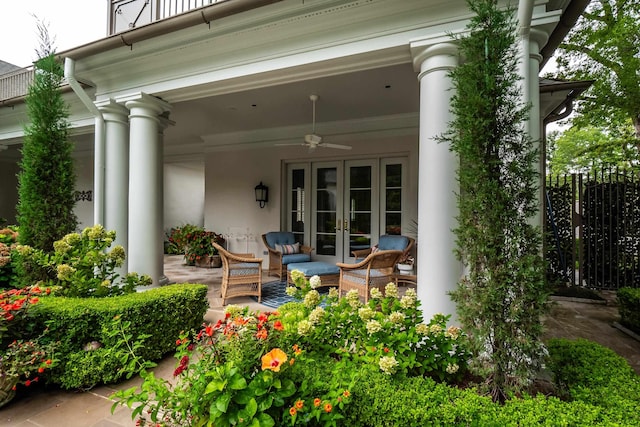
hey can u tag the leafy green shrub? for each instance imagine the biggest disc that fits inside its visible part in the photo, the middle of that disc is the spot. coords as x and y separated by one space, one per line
594 374
82 326
629 307
8 242
81 266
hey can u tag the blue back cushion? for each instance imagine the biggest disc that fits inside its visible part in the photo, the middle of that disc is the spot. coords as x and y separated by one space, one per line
389 242
280 238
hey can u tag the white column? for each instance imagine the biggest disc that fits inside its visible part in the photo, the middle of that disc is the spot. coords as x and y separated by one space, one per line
438 268
163 124
145 185
116 172
537 38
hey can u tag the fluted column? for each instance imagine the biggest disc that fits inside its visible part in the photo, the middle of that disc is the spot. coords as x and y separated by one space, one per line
116 172
438 269
145 184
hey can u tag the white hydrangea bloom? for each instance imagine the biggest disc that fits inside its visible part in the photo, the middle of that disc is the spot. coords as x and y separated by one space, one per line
396 317
373 326
422 329
304 327
366 313
316 315
452 368
388 364
315 282
391 290
375 293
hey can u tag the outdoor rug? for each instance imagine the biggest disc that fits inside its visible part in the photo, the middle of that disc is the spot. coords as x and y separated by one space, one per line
274 295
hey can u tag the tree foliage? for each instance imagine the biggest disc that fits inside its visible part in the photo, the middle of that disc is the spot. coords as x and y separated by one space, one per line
502 296
604 46
46 180
580 150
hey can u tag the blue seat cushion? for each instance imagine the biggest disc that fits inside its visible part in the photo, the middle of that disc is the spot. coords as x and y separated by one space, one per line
292 258
314 268
274 238
389 242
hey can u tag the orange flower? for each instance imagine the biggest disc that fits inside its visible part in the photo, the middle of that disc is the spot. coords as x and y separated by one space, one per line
327 407
262 334
277 325
299 404
316 402
346 393
273 360
296 350
292 411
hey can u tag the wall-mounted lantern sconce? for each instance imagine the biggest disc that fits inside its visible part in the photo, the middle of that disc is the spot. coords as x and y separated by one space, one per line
262 194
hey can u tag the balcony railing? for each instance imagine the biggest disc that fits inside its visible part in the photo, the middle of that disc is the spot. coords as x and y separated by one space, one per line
15 84
127 14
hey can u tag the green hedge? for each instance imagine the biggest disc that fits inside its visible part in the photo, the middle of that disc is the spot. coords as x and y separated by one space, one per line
629 303
601 388
162 313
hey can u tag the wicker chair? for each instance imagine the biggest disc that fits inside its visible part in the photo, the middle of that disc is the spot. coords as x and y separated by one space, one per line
277 260
241 274
376 270
389 242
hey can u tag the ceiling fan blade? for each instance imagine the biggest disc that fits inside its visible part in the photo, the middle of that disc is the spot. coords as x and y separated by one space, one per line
341 147
290 144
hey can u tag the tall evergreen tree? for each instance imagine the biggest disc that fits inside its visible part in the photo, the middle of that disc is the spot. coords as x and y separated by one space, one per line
46 179
503 295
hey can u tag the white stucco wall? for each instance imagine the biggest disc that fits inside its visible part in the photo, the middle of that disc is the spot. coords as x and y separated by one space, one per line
84 182
183 194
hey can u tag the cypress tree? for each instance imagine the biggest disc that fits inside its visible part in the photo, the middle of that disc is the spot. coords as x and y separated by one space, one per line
502 297
46 179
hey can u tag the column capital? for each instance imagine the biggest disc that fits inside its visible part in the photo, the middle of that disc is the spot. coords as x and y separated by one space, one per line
144 101
433 54
112 110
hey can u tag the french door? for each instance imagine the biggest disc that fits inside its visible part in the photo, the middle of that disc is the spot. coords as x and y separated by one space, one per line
351 203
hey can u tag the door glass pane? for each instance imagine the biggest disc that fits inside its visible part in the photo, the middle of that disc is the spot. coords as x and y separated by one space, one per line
393 221
326 205
394 175
393 199
326 244
360 176
297 194
360 205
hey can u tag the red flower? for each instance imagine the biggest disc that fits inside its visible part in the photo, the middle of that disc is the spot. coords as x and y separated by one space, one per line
27 383
277 325
386 349
262 334
40 370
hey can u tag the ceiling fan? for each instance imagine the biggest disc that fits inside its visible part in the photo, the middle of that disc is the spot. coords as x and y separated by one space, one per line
314 140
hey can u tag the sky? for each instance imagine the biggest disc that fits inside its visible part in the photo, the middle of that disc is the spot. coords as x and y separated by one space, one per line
71 23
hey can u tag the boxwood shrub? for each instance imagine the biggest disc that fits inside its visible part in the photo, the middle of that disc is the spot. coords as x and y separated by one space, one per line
629 307
89 352
600 389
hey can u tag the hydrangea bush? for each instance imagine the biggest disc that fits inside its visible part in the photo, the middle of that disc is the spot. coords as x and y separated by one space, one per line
298 365
82 266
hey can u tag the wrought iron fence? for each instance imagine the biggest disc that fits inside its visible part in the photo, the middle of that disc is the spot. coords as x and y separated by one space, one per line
592 229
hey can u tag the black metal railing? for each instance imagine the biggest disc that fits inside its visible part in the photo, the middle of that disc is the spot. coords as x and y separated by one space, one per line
592 233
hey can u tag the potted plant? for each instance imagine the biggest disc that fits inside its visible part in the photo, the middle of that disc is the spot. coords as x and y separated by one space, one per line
405 265
200 252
